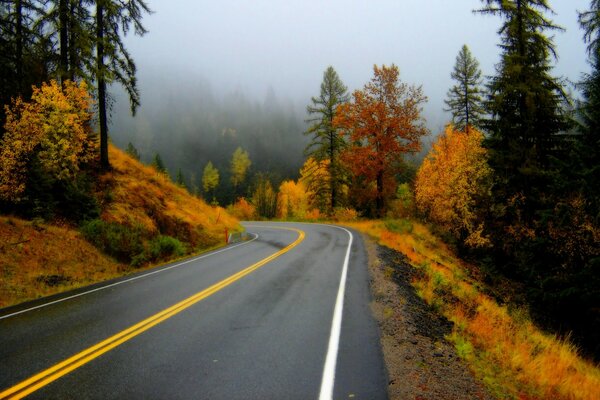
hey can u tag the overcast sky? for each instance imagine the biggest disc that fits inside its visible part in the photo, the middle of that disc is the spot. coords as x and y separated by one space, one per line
287 44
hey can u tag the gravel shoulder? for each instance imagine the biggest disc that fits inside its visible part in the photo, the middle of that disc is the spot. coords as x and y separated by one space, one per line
421 363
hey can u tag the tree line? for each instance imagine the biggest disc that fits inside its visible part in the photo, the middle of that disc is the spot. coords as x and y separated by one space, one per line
76 40
514 179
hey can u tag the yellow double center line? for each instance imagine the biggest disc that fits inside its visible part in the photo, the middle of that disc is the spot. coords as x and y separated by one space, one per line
51 374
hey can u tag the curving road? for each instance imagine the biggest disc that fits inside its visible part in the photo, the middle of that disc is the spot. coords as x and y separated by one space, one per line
284 316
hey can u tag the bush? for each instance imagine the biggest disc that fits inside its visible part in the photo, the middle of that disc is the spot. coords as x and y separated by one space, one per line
345 214
119 241
164 247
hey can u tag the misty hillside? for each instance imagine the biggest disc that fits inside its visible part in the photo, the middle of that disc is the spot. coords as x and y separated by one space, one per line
189 125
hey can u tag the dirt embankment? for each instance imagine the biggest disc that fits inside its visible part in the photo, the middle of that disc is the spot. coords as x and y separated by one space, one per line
421 363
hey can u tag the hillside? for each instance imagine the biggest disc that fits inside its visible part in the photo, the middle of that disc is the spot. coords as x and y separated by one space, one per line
145 219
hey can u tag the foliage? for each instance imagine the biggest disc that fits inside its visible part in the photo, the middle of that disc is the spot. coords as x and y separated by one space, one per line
119 241
382 122
344 214
453 181
180 179
326 142
240 163
465 100
113 63
315 177
264 197
242 210
512 356
292 200
158 165
403 205
210 178
53 129
132 151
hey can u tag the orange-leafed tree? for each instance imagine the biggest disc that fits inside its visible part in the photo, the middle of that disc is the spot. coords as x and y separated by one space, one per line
52 129
383 121
454 182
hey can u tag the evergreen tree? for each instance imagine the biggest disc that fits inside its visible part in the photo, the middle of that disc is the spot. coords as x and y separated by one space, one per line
24 59
465 98
326 142
158 164
588 143
180 179
132 151
526 105
113 20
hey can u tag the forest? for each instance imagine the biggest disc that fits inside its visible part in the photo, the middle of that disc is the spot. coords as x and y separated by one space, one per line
511 184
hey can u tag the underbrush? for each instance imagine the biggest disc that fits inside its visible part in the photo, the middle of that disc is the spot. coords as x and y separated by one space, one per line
513 357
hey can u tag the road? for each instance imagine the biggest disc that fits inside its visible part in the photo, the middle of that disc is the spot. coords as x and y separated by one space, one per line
255 320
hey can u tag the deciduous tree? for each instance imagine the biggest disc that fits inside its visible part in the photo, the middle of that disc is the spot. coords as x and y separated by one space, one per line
210 179
454 182
382 122
240 163
53 128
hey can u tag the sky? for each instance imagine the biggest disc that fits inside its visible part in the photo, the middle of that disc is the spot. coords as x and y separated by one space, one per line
254 45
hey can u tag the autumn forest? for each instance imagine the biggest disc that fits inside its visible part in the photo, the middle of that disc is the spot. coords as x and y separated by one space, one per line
511 184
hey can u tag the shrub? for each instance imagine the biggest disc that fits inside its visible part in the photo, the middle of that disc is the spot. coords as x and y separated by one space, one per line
345 214
242 210
163 247
119 241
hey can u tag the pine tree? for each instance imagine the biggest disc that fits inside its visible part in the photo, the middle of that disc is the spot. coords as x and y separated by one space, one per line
180 179
158 164
132 151
588 143
113 20
326 142
465 98
526 105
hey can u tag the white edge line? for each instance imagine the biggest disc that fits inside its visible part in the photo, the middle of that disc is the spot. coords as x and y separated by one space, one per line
326 392
128 280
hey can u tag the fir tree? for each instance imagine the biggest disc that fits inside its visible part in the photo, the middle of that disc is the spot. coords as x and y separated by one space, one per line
465 98
326 142
180 179
132 151
158 164
113 62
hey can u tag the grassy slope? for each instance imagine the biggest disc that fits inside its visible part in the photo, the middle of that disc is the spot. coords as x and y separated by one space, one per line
38 259
505 349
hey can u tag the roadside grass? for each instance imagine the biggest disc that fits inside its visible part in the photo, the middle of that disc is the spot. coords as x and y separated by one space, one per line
38 260
146 220
514 358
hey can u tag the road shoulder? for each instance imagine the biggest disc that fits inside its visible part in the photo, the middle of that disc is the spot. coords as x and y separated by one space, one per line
421 363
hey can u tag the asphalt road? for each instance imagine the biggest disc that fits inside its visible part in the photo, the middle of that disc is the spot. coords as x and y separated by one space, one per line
210 328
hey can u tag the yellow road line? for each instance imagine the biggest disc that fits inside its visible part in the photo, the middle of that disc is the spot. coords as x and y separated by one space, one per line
51 374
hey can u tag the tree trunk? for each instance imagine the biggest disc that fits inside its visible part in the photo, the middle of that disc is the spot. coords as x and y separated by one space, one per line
379 199
105 165
63 32
73 62
332 171
19 45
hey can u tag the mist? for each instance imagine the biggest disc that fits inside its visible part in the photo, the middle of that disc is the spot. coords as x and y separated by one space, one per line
217 75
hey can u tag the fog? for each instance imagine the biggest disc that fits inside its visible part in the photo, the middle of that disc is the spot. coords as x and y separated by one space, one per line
210 52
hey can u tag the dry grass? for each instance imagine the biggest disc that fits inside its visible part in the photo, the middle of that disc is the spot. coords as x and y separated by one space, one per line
139 195
505 349
38 260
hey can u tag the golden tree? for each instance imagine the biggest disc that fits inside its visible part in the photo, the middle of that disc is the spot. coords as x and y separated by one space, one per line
453 179
52 128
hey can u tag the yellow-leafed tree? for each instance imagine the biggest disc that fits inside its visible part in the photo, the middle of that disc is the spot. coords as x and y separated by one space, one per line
52 128
293 200
452 181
